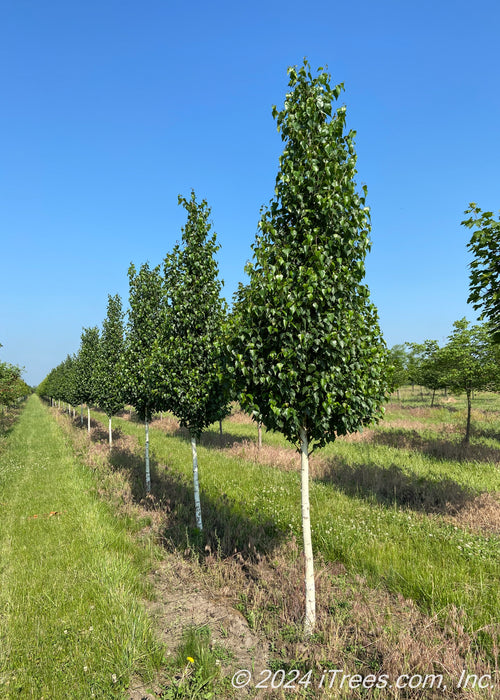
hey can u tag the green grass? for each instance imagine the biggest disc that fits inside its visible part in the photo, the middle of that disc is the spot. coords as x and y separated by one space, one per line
72 624
393 541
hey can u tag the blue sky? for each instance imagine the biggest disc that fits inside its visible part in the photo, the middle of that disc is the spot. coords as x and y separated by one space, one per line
111 109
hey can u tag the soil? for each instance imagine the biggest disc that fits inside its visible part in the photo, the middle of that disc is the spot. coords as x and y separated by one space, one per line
182 603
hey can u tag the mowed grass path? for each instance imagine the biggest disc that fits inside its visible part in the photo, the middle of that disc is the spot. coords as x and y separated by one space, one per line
441 566
72 624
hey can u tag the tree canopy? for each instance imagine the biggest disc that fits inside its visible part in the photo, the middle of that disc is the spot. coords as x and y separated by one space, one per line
485 268
195 315
109 380
307 346
145 329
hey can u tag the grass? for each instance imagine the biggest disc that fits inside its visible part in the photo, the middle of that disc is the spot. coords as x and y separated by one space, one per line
405 525
399 540
72 621
199 663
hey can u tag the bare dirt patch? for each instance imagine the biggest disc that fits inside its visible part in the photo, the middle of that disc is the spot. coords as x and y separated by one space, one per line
183 599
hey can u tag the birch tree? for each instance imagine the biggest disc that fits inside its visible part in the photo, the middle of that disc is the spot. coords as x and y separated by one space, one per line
109 379
85 370
195 316
308 353
141 376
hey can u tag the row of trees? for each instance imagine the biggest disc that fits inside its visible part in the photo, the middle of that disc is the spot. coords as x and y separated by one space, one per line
301 349
92 376
170 357
468 362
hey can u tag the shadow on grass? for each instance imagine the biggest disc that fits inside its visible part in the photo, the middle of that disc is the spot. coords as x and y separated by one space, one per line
227 528
213 438
437 447
418 404
392 486
98 432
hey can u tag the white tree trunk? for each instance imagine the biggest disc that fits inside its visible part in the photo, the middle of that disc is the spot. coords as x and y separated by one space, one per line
88 418
196 484
148 473
310 620
110 435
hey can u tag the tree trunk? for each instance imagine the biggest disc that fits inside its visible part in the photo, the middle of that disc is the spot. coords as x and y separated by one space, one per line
220 427
88 418
196 484
81 414
110 435
260 435
469 407
148 473
398 395
310 620
433 395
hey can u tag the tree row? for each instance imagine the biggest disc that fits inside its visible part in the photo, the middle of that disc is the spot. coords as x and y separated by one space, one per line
301 350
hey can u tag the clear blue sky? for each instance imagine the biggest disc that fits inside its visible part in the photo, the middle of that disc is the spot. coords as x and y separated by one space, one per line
109 110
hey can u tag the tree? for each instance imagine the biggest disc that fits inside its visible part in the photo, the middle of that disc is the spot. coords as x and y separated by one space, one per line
109 381
308 353
68 384
398 366
195 315
145 334
485 268
429 366
86 389
471 363
12 386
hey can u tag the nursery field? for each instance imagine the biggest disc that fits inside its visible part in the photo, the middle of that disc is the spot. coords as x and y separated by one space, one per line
406 534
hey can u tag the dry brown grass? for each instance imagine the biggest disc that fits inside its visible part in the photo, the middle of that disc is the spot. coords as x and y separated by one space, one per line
481 514
285 458
240 417
359 629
